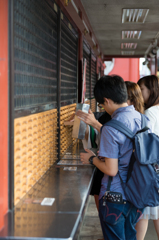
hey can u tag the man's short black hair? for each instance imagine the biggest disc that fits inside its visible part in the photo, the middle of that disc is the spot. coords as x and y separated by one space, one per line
112 87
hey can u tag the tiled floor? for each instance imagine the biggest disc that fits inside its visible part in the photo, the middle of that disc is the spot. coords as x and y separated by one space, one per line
91 229
151 233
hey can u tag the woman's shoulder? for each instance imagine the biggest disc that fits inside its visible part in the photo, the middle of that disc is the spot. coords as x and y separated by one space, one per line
153 110
152 114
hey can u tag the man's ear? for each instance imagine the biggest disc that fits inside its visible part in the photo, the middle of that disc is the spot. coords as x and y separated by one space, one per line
106 100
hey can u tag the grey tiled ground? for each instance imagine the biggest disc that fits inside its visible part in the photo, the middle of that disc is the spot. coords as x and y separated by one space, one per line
91 229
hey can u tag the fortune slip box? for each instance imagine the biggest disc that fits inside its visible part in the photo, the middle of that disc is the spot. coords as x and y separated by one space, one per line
79 127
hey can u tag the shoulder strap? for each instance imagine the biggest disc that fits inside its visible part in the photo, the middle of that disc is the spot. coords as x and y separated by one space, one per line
109 182
120 127
144 122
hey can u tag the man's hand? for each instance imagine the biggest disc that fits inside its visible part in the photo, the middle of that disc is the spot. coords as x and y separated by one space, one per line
108 166
88 118
85 156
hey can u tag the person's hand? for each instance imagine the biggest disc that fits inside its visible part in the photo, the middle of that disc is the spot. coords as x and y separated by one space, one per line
72 118
85 156
88 118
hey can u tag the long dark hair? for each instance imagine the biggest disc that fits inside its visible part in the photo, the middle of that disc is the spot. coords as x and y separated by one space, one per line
152 83
135 96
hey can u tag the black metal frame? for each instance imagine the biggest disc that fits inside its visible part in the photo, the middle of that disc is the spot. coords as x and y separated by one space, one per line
93 56
58 76
77 69
24 111
73 31
96 81
90 76
31 110
80 68
11 107
87 50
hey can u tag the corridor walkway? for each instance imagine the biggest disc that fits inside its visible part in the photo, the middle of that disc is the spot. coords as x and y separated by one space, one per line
91 229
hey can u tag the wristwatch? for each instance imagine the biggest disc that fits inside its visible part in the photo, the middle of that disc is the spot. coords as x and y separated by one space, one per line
91 159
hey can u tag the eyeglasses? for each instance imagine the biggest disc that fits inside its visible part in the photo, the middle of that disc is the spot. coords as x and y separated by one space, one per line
99 105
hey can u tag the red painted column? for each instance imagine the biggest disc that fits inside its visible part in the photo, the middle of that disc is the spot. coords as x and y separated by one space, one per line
121 68
134 69
127 68
3 110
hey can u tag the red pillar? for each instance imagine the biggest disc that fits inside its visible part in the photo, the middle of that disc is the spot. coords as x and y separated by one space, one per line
127 68
3 110
134 69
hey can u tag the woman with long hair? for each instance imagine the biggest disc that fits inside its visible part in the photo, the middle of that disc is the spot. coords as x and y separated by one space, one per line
135 96
149 86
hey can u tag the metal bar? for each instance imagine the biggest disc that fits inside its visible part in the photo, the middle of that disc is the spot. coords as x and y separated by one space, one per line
35 75
35 95
37 26
58 77
74 54
25 111
40 18
67 75
96 71
80 65
37 36
11 106
32 43
77 71
90 76
66 62
35 55
121 56
35 65
34 85
67 102
70 70
68 56
65 28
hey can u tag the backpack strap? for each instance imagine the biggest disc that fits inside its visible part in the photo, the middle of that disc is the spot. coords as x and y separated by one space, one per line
144 123
109 183
125 130
120 127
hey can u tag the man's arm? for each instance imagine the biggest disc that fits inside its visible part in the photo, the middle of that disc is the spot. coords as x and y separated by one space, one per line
109 166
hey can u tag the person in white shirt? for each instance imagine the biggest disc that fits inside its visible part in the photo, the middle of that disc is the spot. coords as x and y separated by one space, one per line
150 91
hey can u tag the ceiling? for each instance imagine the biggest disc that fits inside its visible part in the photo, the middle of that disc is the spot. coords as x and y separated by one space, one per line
105 17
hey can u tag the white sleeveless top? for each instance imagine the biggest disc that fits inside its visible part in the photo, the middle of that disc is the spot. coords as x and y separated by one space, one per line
153 114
